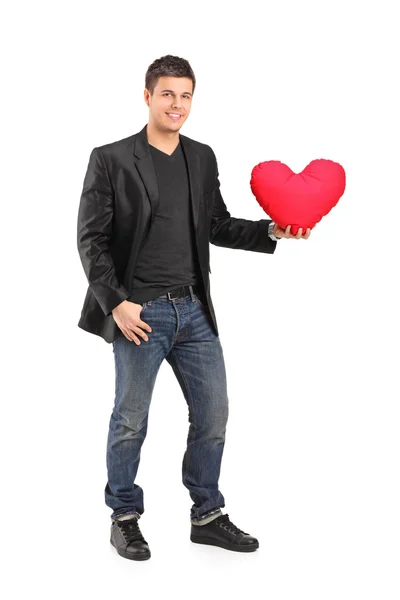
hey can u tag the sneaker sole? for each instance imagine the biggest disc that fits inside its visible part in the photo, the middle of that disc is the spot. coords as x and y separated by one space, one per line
129 555
210 542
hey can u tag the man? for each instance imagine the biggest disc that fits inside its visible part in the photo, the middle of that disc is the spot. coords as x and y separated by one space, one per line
149 208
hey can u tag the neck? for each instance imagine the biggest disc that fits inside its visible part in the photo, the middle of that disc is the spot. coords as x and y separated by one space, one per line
160 138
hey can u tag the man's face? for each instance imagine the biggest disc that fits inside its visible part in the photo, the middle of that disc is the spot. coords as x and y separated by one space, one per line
171 95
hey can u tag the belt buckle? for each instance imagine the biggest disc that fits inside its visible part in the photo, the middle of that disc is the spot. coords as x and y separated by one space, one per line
169 296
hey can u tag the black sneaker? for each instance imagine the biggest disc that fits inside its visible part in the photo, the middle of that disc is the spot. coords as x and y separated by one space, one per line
222 532
128 540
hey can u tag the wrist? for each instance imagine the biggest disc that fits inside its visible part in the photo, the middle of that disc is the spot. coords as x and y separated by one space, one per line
271 231
118 306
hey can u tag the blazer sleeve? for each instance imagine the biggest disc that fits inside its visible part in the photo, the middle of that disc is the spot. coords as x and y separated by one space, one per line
94 230
234 232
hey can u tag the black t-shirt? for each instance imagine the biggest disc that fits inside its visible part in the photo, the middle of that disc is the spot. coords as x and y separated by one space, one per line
168 257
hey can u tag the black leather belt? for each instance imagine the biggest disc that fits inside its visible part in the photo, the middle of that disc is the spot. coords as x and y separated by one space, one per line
181 292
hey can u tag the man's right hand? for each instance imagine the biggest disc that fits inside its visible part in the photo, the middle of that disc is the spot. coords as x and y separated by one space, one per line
127 317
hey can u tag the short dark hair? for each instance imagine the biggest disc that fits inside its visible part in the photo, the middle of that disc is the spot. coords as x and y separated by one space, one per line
168 66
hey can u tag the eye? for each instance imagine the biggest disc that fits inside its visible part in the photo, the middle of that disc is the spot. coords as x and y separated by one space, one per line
168 94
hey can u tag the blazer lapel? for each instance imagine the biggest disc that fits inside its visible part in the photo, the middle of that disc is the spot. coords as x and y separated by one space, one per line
147 172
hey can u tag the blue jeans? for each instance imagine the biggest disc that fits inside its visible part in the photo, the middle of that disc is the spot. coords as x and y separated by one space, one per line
182 334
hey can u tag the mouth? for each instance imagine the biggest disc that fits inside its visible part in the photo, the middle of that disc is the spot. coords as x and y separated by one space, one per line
174 116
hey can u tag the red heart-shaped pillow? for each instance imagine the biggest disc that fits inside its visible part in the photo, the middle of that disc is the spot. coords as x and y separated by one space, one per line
298 199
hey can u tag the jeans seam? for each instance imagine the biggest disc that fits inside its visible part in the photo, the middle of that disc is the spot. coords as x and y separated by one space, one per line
115 518
183 377
206 515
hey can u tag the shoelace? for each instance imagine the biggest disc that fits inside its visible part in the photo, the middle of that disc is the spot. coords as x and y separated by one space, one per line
130 530
226 523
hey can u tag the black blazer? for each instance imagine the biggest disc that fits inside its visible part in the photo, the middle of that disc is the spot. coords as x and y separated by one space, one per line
117 206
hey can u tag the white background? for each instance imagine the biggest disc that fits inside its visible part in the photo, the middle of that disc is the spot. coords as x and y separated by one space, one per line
310 334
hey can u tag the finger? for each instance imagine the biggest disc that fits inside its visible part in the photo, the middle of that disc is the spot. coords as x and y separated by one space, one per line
127 335
287 231
141 333
132 337
299 232
145 325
